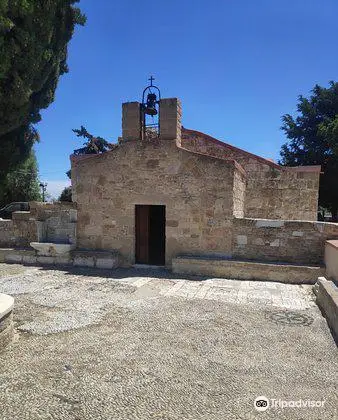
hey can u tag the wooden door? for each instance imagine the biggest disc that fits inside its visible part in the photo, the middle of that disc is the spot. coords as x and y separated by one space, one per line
157 235
150 234
142 234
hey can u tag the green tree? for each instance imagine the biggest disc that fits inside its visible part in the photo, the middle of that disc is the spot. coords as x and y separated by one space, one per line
33 47
22 184
313 140
15 147
34 35
66 194
92 144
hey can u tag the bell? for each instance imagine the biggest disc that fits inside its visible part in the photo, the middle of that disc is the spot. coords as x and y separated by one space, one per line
150 108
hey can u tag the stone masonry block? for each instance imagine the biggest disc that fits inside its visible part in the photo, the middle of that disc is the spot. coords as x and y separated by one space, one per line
296 233
172 223
170 119
270 223
63 260
13 258
45 260
107 263
242 239
80 261
29 259
131 121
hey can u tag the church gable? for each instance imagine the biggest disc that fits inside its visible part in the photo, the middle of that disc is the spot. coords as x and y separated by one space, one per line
197 192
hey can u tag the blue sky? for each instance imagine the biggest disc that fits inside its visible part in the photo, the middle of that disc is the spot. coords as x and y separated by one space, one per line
237 66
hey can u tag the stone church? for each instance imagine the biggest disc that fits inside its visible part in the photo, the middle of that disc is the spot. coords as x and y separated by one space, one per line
181 192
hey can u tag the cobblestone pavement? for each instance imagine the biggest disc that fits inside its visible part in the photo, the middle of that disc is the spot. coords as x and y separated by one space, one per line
144 344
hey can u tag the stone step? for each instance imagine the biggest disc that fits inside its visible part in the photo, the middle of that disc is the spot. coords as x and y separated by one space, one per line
247 270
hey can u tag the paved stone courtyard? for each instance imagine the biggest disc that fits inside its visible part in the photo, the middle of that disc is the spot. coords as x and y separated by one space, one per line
138 344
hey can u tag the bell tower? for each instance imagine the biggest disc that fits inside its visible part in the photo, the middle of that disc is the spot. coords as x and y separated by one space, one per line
150 110
153 118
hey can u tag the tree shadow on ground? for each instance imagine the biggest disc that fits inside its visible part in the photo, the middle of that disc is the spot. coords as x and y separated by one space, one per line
121 273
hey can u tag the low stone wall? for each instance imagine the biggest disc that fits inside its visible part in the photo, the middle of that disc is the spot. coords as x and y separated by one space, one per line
97 259
282 240
56 222
53 222
7 236
331 259
246 270
19 231
24 228
327 300
6 320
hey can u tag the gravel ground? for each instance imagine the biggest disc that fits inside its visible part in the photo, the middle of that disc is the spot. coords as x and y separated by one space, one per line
131 344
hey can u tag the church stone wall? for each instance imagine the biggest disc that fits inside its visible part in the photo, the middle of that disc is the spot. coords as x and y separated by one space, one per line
239 191
196 190
272 191
281 194
301 242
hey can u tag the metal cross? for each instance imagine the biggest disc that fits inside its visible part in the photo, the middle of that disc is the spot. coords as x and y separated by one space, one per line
151 80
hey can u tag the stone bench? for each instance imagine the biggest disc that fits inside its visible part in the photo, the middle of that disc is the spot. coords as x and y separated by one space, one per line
76 258
331 259
247 270
98 259
327 299
6 320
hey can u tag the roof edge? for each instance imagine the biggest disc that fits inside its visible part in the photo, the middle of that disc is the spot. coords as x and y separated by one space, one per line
307 168
79 158
237 149
231 160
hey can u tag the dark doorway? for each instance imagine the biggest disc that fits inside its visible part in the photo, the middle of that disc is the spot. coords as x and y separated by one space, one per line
150 235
